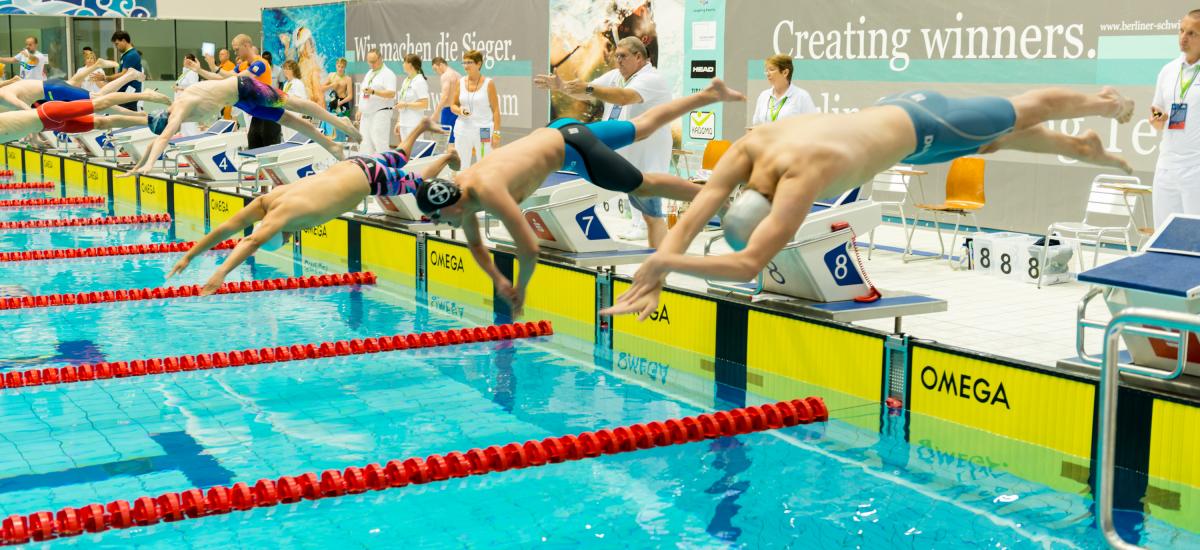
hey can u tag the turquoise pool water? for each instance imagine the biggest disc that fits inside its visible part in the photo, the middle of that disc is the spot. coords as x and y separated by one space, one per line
832 485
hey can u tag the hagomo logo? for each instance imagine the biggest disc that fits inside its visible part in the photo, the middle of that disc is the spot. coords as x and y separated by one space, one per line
702 68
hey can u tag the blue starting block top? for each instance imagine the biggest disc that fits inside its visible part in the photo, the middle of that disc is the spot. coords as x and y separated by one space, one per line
558 178
295 141
1170 265
851 305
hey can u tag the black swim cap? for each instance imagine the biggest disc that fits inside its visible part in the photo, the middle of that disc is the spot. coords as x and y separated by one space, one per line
436 193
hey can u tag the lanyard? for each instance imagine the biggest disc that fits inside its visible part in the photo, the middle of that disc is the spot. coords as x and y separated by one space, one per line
372 74
404 87
774 108
287 86
1185 86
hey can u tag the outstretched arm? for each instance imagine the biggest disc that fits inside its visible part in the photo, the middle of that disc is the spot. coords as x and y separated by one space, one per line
244 249
245 217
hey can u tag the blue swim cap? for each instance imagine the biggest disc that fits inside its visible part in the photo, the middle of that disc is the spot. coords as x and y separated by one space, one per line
157 122
749 210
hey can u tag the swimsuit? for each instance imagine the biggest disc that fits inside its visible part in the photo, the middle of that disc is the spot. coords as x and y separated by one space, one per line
949 128
260 100
67 116
590 151
384 174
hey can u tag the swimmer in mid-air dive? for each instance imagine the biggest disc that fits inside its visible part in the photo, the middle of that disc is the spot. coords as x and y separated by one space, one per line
510 174
74 117
787 165
21 94
203 102
313 201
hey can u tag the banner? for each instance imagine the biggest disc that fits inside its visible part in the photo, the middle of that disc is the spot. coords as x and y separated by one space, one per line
705 36
511 35
312 36
80 8
584 33
849 54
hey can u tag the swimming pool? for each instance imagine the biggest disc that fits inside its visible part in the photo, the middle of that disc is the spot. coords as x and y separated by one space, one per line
855 481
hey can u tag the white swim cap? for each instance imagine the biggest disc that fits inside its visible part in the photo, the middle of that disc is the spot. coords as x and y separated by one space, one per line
275 242
749 210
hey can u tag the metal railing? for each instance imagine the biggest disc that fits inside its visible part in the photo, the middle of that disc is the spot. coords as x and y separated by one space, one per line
1176 327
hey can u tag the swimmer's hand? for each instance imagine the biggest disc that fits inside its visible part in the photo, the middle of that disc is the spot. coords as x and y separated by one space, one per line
513 296
181 265
213 285
642 296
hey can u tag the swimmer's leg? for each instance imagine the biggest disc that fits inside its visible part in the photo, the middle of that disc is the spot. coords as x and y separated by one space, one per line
657 184
406 146
650 121
108 101
116 85
1037 106
310 109
118 121
291 120
1039 139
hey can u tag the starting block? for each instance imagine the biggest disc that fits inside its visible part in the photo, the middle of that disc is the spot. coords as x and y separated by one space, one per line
1165 276
135 141
819 275
211 153
288 162
562 213
93 143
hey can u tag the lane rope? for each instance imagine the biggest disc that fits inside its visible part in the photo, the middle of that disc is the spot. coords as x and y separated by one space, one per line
194 503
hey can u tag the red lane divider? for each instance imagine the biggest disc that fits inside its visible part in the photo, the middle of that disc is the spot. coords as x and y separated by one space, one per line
27 185
158 293
75 222
99 251
65 201
194 503
280 354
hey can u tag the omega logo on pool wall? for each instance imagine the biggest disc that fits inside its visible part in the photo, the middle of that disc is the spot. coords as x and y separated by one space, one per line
448 261
964 386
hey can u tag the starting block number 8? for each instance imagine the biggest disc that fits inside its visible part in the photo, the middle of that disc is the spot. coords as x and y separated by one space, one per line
837 261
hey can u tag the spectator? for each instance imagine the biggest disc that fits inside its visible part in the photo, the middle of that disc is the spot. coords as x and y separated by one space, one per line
33 63
413 98
782 99
376 107
477 130
1177 175
130 59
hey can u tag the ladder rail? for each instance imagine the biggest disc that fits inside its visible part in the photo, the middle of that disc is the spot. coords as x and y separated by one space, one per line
1110 368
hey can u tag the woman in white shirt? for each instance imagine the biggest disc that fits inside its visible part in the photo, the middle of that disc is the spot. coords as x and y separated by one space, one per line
477 105
187 77
292 83
782 99
413 98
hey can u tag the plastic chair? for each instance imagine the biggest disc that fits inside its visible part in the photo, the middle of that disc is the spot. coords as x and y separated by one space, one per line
964 195
713 152
1105 201
890 190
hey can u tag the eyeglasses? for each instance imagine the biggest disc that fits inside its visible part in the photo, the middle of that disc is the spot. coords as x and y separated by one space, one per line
622 56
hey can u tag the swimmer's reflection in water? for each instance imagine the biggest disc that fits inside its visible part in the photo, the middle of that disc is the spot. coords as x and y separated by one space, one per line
70 352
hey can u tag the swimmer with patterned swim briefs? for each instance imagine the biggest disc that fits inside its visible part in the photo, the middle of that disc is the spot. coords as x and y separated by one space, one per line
72 116
204 101
510 174
313 201
788 164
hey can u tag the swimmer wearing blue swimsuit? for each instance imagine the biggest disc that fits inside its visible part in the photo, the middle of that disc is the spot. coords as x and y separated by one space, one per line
786 165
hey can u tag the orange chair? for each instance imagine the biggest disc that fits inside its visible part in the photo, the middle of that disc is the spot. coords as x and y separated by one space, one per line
964 195
713 152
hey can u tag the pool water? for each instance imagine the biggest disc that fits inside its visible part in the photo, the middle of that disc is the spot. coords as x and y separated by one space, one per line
829 485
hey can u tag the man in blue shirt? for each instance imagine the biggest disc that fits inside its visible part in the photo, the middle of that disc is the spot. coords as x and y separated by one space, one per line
130 59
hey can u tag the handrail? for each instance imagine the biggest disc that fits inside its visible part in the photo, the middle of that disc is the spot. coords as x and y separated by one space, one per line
1109 384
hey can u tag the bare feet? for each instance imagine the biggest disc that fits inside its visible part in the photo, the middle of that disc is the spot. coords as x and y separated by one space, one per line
422 127
454 162
154 96
1091 150
1124 109
348 128
138 75
723 92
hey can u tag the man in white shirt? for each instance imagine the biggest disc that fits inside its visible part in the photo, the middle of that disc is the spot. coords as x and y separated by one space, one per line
376 105
1177 175
33 63
631 89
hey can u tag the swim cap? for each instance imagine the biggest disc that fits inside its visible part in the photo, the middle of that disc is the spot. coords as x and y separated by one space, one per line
157 122
436 193
749 210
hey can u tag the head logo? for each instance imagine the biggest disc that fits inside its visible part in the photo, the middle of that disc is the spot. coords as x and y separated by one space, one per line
702 68
964 386
439 194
